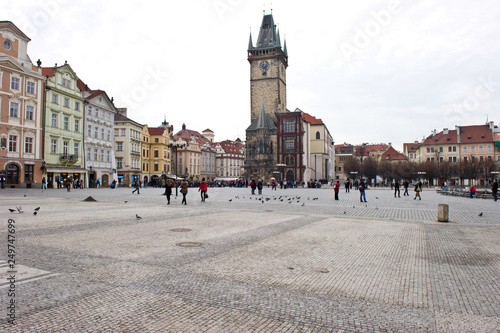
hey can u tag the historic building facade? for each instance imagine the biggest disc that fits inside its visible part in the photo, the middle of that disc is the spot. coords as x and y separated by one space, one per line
156 153
21 111
291 147
64 121
127 148
99 137
229 160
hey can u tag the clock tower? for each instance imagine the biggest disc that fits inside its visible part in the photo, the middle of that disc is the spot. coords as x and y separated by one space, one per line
268 64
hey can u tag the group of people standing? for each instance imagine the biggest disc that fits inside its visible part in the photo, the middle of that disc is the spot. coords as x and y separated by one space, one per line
184 186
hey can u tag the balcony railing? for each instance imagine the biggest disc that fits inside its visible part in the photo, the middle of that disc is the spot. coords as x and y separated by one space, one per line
71 158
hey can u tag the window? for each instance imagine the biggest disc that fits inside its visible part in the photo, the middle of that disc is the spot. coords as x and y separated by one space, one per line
156 153
54 98
107 155
119 163
428 150
66 102
13 143
109 135
29 112
481 147
102 133
454 148
89 111
289 126
65 147
95 154
76 148
289 143
155 167
30 87
318 135
101 156
488 147
472 148
465 148
119 146
97 113
14 109
54 120
77 125
116 131
3 142
77 106
123 131
441 149
66 123
28 145
14 83
89 152
66 83
53 146
89 130
96 132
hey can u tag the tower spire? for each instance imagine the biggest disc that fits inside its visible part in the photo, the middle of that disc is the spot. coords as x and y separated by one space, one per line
250 44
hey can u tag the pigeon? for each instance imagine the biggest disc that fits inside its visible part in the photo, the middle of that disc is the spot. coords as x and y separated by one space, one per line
35 211
137 216
12 210
344 212
376 197
19 210
25 195
126 201
303 204
230 200
480 214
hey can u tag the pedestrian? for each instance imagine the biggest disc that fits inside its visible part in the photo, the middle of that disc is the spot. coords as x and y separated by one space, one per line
44 183
68 183
98 183
494 189
417 191
168 190
406 184
253 186
362 188
184 191
347 186
203 188
472 191
137 186
336 189
2 182
396 189
259 186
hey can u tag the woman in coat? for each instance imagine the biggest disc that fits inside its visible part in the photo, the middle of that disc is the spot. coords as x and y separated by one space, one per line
203 188
168 190
184 191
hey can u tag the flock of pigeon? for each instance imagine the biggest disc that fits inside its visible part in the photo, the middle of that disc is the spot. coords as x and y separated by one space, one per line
20 210
281 198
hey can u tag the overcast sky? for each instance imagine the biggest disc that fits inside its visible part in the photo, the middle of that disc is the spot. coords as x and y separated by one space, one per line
373 71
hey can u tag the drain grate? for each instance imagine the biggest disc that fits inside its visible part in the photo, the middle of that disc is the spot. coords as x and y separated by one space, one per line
180 230
189 244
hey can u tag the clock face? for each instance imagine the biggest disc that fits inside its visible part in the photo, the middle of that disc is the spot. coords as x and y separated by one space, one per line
264 66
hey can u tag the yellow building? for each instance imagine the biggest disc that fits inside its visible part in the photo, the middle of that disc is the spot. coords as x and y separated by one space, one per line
156 153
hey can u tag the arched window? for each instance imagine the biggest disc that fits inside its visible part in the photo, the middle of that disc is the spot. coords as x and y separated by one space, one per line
287 160
318 135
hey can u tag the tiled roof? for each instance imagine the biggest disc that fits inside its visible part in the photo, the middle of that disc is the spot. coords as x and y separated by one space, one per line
393 154
367 149
475 134
442 139
409 147
186 135
312 120
158 131
94 93
48 71
344 149
229 147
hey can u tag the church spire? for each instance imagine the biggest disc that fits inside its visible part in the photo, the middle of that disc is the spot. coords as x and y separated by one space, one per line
267 34
284 49
278 41
250 44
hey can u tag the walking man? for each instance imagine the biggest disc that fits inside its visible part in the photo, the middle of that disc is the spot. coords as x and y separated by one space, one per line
361 189
396 189
406 184
417 191
494 190
136 184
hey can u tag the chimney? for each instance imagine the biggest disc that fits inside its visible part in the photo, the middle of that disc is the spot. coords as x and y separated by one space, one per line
389 144
183 126
445 131
434 132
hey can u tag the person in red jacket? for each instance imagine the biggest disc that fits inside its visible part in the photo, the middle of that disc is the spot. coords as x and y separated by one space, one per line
203 188
336 188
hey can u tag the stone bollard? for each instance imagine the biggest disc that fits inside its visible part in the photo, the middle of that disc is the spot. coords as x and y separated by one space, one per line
443 210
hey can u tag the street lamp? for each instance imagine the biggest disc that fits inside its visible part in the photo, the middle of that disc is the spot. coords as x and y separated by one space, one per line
174 146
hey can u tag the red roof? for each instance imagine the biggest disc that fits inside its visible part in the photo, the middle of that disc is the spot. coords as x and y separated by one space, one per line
312 120
367 149
409 147
158 131
392 154
48 71
344 149
476 134
441 138
186 135
229 147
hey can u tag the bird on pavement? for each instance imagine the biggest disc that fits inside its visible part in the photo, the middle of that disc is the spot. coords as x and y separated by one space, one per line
230 200
137 216
480 214
12 210
19 210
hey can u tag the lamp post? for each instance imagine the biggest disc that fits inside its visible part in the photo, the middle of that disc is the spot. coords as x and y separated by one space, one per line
174 146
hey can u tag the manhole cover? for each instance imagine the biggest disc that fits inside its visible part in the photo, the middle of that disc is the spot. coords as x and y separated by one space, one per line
189 244
180 229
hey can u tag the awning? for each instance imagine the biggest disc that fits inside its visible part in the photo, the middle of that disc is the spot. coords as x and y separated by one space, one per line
228 179
64 170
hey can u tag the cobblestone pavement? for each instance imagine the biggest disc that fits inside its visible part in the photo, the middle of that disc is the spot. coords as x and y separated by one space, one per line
290 260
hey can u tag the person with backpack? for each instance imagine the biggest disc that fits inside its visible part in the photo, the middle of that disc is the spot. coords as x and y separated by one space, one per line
260 186
336 189
203 188
253 186
417 191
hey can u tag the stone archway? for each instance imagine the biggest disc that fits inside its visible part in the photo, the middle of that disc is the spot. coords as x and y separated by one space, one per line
290 176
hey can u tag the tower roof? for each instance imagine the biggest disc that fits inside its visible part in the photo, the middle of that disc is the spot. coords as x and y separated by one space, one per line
264 121
268 37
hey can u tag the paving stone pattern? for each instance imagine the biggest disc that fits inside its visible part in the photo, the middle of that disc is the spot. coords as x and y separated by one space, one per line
290 260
